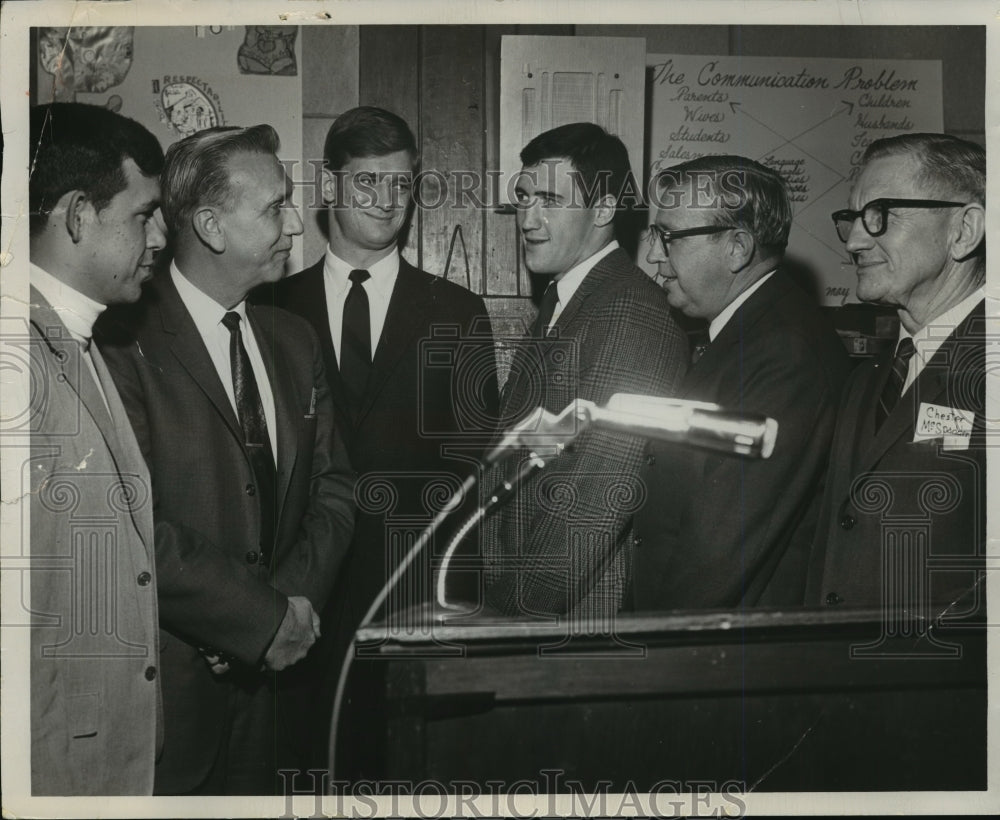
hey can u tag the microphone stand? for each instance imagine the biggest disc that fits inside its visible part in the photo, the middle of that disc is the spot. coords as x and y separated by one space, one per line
751 436
544 429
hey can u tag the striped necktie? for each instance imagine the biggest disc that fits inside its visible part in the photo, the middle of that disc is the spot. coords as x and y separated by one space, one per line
897 378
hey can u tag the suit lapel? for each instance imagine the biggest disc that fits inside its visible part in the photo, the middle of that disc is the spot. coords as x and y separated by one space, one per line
127 456
283 390
120 441
68 356
404 320
188 348
755 309
308 300
944 367
596 280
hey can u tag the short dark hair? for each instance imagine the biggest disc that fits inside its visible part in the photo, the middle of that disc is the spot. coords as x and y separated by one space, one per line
953 167
743 194
197 168
367 131
79 147
600 158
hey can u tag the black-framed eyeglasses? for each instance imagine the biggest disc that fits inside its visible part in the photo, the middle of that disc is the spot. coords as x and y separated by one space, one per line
874 215
666 237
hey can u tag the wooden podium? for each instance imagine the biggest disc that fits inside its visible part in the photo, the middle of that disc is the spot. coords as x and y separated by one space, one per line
770 701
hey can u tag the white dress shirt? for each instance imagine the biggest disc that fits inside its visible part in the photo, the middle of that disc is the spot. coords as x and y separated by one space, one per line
719 322
567 283
207 315
928 339
337 284
77 311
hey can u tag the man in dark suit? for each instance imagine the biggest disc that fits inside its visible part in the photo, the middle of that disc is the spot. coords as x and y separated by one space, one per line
382 323
564 544
95 688
234 417
718 530
903 522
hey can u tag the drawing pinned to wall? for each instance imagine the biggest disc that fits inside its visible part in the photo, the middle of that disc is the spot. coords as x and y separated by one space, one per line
187 104
183 79
88 59
268 50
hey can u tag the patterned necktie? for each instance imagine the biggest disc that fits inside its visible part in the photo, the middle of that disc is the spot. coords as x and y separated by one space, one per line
546 309
356 340
250 411
897 378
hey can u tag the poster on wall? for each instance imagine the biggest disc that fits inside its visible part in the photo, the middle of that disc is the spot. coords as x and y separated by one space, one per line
808 119
177 80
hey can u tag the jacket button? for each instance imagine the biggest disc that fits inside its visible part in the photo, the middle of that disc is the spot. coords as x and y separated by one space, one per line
252 557
832 599
637 541
144 579
847 522
150 673
251 490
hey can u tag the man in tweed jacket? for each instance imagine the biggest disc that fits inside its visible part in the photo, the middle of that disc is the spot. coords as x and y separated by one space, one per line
564 544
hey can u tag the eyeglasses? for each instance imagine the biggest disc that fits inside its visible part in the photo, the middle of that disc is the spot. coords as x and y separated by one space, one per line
874 215
666 237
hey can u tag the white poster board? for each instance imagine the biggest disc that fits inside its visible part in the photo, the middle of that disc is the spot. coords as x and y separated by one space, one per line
809 119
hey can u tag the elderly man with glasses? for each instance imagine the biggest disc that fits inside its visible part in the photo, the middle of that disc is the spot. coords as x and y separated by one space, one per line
904 513
720 531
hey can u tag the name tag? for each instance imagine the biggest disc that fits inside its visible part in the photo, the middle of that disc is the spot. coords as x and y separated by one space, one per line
952 425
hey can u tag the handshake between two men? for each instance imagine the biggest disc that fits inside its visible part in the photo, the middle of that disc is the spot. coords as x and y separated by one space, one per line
296 634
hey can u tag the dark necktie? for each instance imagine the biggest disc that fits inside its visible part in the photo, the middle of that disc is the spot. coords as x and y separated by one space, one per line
356 340
699 344
250 411
897 378
546 309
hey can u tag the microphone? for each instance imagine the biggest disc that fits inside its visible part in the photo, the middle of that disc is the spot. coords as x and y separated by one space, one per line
695 423
691 422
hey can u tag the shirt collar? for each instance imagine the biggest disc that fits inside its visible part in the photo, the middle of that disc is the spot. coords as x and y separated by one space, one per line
941 327
719 322
383 273
76 310
567 284
206 312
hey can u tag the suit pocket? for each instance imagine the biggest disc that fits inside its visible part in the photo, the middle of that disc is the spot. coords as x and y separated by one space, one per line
83 714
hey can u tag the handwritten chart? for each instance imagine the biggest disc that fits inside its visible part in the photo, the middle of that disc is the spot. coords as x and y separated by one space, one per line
809 119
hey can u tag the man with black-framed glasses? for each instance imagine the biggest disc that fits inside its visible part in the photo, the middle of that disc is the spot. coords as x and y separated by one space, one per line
719 531
903 517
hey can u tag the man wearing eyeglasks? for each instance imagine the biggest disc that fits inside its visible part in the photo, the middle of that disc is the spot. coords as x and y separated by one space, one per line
903 517
720 531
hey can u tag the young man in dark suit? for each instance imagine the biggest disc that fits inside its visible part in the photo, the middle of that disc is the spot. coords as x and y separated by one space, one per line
409 425
564 544
903 523
234 417
96 724
718 530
